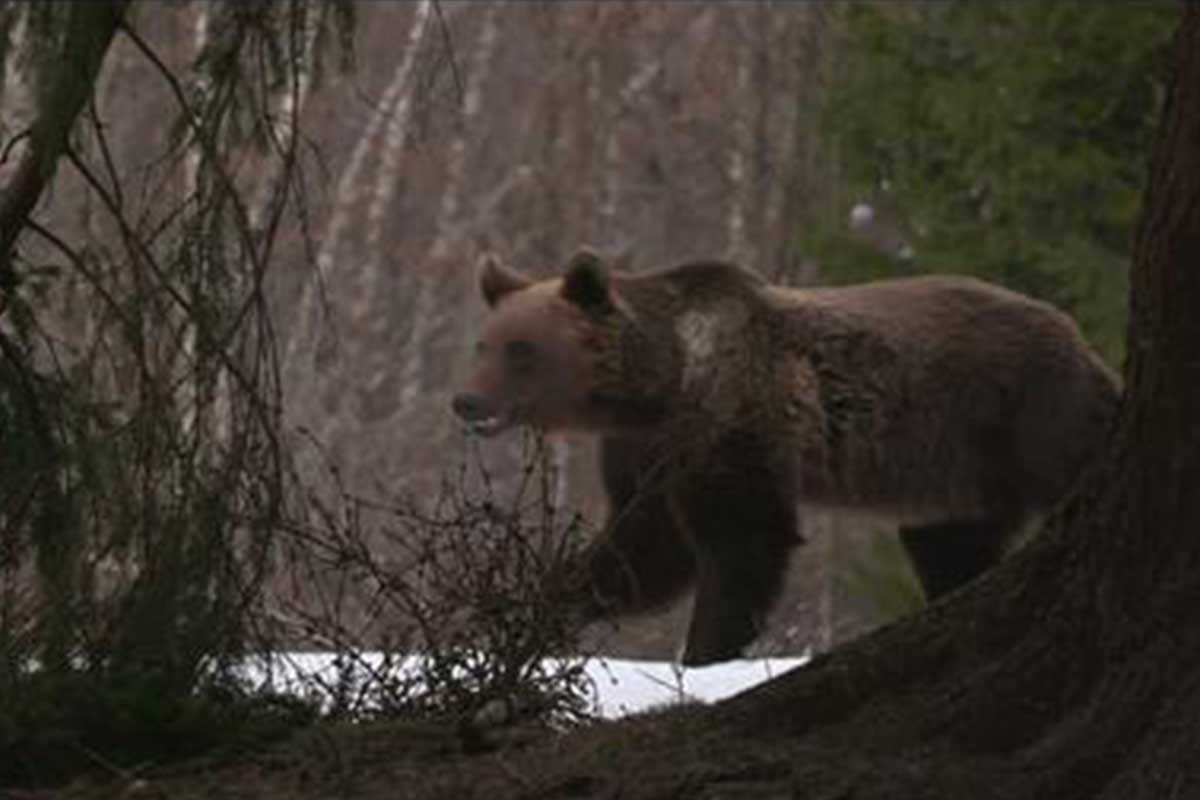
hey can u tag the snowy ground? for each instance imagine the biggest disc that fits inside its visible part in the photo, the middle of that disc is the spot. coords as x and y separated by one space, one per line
622 686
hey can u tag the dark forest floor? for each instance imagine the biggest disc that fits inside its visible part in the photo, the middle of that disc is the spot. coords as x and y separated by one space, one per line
420 761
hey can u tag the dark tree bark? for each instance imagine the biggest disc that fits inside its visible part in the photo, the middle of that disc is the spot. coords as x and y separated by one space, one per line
1072 671
90 28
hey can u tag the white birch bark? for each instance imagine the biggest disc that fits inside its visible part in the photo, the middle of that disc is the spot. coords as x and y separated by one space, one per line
613 166
303 337
448 229
738 150
287 106
804 182
193 389
391 149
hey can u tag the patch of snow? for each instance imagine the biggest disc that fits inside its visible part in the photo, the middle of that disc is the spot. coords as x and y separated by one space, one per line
625 686
622 686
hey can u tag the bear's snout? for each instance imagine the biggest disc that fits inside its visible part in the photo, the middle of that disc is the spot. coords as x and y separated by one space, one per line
480 414
471 407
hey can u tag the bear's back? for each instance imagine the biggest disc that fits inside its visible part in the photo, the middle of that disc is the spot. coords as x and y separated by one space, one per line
945 390
943 322
917 306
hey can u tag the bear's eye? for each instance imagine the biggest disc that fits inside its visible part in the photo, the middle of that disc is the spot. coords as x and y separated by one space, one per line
521 353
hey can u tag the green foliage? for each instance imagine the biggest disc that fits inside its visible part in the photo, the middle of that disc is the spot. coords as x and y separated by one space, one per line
875 579
1005 140
1013 137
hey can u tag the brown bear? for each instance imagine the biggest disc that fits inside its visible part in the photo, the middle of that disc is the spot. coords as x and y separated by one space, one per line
954 407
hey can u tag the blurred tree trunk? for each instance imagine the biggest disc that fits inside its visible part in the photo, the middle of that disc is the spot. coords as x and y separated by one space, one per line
739 154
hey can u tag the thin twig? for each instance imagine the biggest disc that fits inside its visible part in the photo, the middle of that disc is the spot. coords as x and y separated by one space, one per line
451 53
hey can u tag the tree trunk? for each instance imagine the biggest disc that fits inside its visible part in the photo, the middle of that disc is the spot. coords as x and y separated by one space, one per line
89 31
1071 671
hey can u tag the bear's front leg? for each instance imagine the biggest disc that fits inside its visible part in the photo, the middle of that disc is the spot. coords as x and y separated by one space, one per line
642 560
743 524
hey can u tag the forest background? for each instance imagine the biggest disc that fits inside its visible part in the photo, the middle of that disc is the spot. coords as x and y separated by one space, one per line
270 299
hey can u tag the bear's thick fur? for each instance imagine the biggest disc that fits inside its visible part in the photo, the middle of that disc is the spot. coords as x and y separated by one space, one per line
954 407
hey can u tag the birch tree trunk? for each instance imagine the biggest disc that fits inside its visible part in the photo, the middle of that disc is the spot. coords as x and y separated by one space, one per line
448 242
389 122
738 244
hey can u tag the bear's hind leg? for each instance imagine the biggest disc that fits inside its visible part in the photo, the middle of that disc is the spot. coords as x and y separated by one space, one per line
743 533
946 555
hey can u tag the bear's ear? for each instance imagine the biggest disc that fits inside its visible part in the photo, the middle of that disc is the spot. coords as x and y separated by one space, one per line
496 280
585 282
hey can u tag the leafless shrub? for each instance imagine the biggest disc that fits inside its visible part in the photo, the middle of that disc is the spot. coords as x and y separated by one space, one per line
461 616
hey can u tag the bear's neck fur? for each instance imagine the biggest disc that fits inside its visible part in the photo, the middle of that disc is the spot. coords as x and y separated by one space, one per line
715 317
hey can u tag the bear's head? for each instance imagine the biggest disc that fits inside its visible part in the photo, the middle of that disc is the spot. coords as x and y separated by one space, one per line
552 353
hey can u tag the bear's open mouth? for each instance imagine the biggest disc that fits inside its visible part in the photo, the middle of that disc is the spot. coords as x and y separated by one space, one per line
488 426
